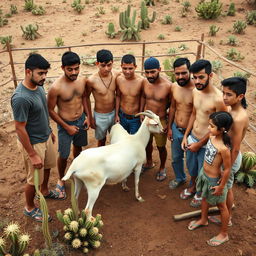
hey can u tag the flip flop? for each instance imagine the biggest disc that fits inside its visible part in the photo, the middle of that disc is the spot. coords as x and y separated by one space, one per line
61 190
36 214
174 183
216 220
196 201
185 194
193 225
161 175
146 168
216 242
53 194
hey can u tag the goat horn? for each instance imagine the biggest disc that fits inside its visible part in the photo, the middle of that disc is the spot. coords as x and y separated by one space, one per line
145 114
150 112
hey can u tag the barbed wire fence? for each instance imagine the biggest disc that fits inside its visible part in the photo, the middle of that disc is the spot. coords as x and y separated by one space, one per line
199 52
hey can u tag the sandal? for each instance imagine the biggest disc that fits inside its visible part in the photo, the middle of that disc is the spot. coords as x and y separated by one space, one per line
193 225
185 194
53 194
174 183
216 220
216 242
61 190
161 175
196 201
36 214
146 168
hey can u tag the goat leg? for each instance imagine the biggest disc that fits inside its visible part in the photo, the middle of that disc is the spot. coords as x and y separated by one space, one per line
124 186
136 181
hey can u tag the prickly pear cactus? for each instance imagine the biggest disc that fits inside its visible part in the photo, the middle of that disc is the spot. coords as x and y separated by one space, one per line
30 32
82 232
247 171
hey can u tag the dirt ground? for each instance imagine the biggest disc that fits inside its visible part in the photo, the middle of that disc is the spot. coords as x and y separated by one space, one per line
131 228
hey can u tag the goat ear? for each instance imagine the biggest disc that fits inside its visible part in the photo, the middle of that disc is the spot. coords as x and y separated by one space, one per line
153 122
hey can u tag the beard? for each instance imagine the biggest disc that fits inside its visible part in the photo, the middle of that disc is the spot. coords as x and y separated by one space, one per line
153 79
182 82
203 86
72 77
37 83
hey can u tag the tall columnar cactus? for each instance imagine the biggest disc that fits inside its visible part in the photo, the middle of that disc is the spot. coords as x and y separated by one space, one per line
127 24
145 20
111 33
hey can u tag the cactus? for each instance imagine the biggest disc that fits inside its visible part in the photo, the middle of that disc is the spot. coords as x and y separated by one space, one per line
59 41
244 75
209 10
251 18
168 65
246 172
233 54
213 30
30 32
3 21
231 10
76 5
145 20
239 27
13 242
167 20
216 66
232 40
4 40
128 28
111 31
13 9
38 10
149 2
29 5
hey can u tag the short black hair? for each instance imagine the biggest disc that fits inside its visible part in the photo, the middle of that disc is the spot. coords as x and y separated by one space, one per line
180 62
128 59
237 85
200 65
70 58
35 61
104 56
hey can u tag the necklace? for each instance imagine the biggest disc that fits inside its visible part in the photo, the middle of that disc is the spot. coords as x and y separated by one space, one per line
107 86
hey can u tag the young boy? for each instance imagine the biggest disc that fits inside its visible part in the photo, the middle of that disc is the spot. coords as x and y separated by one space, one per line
234 90
212 181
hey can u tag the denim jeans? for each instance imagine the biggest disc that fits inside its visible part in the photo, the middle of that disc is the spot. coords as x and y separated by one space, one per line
195 160
130 125
177 154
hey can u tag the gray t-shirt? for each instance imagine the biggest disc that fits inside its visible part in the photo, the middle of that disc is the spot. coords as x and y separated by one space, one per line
30 106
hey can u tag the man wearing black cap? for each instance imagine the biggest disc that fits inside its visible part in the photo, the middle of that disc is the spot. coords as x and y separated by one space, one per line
67 94
156 97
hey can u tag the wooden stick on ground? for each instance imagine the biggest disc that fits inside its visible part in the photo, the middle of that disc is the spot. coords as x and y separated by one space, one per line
188 215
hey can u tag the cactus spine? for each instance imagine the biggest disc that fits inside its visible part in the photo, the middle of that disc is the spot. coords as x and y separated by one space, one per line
145 20
128 28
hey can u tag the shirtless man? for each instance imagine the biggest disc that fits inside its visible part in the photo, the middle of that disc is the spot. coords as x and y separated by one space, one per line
180 111
67 94
206 100
234 90
102 85
156 97
129 88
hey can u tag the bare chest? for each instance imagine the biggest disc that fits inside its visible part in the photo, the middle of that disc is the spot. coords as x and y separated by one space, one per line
69 93
156 94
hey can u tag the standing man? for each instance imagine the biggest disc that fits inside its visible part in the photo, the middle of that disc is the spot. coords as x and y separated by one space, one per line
156 97
129 87
67 94
206 100
179 114
102 85
34 133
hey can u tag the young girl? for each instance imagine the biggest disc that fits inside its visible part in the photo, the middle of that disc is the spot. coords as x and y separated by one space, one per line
213 189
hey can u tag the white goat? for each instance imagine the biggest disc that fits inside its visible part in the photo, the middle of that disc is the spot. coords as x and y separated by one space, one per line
113 163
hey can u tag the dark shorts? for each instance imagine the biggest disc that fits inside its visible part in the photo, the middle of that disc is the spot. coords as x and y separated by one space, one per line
79 139
130 123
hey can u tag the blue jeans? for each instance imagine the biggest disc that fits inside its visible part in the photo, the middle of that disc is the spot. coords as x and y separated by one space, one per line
177 154
130 123
195 160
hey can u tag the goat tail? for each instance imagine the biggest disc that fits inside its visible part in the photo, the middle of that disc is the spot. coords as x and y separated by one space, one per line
70 171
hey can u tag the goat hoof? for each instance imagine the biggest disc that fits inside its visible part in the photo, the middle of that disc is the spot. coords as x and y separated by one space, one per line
140 199
126 189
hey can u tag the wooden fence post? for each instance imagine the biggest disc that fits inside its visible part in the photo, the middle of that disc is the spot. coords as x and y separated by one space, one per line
14 78
143 56
199 48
